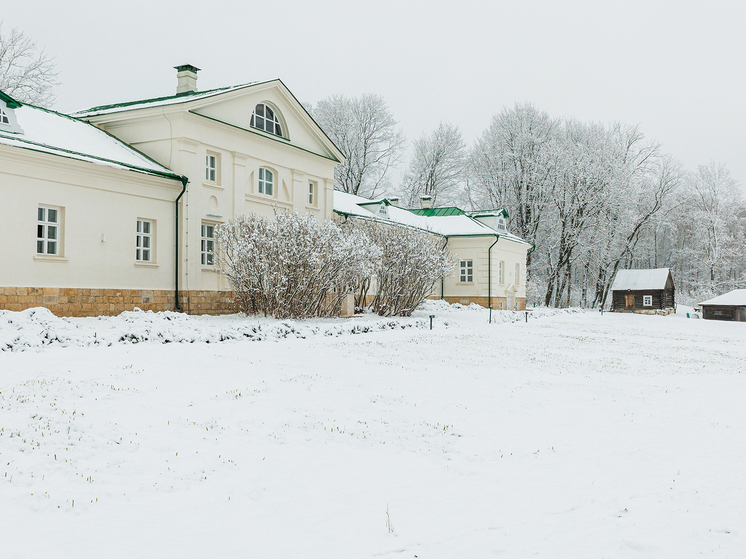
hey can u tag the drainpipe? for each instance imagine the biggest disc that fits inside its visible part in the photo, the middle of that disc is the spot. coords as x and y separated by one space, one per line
442 295
184 182
489 275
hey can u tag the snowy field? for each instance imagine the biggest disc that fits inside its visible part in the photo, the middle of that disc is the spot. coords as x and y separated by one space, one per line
573 435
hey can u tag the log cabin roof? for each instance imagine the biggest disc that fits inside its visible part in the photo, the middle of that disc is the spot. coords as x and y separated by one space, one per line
637 280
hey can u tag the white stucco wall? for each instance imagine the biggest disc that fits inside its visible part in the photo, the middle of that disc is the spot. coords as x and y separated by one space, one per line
476 249
95 201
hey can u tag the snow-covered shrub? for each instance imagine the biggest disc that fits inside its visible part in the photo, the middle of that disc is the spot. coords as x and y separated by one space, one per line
293 266
411 263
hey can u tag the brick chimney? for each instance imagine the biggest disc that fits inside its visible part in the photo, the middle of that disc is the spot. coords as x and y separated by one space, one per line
426 202
187 76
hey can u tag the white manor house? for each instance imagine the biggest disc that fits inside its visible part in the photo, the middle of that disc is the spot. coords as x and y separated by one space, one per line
114 207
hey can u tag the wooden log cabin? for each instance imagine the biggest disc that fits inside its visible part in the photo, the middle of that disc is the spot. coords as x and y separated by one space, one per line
643 291
730 306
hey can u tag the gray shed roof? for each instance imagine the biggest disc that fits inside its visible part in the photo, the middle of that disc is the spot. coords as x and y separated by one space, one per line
736 298
636 280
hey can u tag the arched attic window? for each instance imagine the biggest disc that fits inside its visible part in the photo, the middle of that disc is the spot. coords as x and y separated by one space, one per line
266 118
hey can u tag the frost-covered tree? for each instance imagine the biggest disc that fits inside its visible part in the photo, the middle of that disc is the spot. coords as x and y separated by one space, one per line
369 137
26 73
437 166
511 167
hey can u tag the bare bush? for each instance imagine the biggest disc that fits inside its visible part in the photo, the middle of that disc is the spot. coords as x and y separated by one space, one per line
411 263
293 266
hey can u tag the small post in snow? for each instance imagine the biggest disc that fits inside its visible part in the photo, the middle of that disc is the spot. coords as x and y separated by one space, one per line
601 310
527 316
431 321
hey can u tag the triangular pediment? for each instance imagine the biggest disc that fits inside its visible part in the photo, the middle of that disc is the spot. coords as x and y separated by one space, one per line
235 108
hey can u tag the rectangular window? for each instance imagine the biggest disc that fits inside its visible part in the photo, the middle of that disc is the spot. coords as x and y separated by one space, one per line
501 272
211 168
647 300
466 271
266 181
144 248
311 193
207 245
48 230
518 274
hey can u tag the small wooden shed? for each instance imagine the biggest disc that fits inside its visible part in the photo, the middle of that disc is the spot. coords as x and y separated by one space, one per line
643 291
730 306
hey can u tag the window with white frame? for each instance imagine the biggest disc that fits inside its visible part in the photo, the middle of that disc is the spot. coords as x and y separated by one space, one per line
207 244
501 272
266 182
647 300
144 245
212 168
48 230
466 271
517 274
4 117
265 118
311 193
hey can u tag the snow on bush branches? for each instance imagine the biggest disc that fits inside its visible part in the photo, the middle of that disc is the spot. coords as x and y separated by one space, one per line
297 267
293 266
412 261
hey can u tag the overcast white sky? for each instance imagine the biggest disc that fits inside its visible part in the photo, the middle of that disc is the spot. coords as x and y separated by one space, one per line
675 68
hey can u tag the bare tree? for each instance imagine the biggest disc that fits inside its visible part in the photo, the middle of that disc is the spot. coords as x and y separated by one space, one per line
368 136
26 73
437 166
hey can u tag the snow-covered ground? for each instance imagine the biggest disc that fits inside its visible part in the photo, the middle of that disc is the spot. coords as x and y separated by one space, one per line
570 435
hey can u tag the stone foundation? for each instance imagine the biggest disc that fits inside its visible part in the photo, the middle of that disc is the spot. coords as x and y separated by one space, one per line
660 312
64 301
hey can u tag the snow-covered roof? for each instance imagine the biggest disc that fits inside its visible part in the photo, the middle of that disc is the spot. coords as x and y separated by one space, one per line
636 280
158 101
51 132
736 298
458 224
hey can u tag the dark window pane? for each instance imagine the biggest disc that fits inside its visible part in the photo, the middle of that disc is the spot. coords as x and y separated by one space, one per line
270 127
51 247
259 110
40 231
278 130
51 232
269 113
260 123
41 214
52 216
252 120
210 260
146 227
40 247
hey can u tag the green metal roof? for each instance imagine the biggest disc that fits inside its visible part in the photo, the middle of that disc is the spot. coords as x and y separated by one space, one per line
183 97
489 213
9 101
438 212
